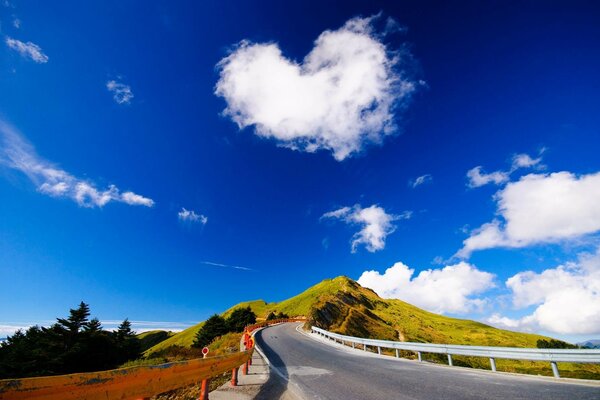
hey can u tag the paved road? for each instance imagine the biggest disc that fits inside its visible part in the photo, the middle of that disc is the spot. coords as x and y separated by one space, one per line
320 371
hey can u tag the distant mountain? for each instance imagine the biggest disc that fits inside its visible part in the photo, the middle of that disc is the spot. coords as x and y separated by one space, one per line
590 344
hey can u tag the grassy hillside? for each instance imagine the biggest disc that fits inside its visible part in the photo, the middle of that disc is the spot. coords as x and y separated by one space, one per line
342 305
152 338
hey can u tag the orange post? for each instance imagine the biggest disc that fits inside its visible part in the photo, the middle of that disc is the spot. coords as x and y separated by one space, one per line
204 390
234 377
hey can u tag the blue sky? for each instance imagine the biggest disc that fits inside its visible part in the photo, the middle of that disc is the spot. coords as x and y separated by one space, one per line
148 149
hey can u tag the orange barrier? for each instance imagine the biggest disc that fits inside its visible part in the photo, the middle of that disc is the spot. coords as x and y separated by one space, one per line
125 383
134 382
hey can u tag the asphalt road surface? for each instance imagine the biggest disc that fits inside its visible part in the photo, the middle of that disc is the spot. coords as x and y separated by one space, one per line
315 370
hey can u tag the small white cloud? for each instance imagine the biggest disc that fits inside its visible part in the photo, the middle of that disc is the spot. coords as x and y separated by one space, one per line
540 208
479 178
121 92
375 224
566 298
28 50
451 289
421 180
340 98
17 23
18 154
525 161
191 216
135 199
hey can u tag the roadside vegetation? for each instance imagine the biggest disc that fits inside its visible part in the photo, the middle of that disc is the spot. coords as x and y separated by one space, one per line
72 344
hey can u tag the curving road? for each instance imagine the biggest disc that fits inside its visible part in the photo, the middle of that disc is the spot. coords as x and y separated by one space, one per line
316 370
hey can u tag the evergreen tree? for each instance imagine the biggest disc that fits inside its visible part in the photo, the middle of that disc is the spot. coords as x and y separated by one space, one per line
77 318
271 316
213 327
127 342
240 318
93 326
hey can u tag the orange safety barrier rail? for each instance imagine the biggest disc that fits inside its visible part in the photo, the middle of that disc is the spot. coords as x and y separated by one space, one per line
131 383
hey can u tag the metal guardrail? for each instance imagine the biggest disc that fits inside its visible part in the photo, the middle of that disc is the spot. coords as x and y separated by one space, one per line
134 382
514 353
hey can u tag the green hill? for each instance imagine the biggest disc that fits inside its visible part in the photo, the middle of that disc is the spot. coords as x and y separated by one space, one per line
341 305
152 338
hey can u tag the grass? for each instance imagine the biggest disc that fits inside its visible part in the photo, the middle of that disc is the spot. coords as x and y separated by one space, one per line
341 305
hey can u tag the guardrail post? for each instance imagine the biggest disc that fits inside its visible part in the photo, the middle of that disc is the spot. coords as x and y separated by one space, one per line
365 347
555 369
234 377
204 390
379 350
397 353
353 345
419 356
450 359
493 364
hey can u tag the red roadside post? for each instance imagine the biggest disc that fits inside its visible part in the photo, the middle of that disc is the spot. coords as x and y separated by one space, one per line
234 377
204 386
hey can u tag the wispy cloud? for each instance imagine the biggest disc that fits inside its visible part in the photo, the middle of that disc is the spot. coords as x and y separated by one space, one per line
28 50
17 153
9 328
121 92
477 177
17 23
421 180
341 97
214 264
191 216
376 224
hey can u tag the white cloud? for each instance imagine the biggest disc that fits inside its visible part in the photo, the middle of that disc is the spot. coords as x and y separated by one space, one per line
135 199
525 161
541 208
121 92
479 178
214 264
27 50
9 329
17 23
17 153
566 298
421 180
340 98
191 216
375 224
447 290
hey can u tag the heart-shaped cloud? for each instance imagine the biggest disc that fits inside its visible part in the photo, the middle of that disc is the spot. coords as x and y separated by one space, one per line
341 97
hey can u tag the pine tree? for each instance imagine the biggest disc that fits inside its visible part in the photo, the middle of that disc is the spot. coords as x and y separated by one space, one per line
240 318
213 327
77 318
93 326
